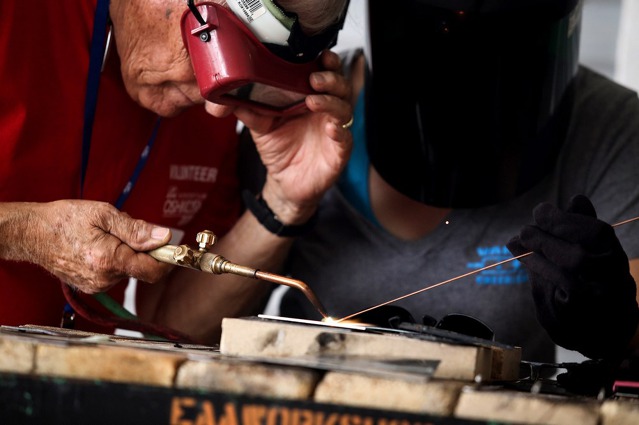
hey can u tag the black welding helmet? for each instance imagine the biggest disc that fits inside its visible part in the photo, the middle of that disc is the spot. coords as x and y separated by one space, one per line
467 101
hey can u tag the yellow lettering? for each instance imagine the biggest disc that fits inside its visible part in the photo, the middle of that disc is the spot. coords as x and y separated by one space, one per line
347 420
178 404
359 420
230 415
385 421
259 414
206 415
272 416
253 414
248 418
305 417
333 419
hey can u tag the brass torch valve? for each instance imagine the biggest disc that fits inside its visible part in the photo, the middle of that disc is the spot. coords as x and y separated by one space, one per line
201 259
184 255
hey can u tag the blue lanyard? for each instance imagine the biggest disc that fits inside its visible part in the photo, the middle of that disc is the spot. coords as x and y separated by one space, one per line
96 57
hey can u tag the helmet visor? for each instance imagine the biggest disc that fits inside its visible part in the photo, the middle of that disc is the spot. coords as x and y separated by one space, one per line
483 103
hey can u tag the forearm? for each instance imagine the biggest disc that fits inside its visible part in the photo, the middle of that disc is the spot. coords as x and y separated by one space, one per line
303 157
16 219
87 244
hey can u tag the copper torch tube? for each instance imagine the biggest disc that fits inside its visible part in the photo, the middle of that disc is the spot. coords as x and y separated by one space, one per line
216 264
297 284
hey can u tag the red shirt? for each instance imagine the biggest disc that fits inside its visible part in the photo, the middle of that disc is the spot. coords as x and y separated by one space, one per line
189 181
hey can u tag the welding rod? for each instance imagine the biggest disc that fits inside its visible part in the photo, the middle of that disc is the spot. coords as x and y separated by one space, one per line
445 282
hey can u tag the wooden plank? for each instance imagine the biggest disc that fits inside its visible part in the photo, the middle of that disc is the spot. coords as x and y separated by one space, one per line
506 358
55 352
109 363
437 397
248 378
256 337
505 366
620 412
17 354
525 408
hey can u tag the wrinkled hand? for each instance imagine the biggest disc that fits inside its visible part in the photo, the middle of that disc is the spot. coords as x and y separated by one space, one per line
93 246
581 283
304 154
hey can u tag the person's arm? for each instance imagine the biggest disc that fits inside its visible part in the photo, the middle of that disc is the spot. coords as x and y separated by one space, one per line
303 156
87 244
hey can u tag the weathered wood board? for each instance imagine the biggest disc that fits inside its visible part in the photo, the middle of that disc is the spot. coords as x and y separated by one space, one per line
525 408
257 337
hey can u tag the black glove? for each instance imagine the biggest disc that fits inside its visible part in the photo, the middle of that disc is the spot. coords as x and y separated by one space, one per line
580 277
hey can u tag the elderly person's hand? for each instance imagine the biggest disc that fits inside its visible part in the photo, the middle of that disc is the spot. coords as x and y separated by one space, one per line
303 154
89 245
583 290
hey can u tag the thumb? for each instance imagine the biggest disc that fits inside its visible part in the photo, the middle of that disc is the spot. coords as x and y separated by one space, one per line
138 234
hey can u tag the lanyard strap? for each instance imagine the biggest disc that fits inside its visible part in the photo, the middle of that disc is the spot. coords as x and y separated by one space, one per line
96 58
138 168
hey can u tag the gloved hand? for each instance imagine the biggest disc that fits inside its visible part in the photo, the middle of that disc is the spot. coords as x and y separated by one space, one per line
581 283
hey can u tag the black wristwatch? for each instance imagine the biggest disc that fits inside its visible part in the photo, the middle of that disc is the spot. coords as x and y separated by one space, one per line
260 209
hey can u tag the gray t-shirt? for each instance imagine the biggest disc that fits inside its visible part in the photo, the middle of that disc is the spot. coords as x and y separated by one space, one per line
352 264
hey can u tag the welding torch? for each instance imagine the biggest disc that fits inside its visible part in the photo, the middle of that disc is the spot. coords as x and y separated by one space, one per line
203 260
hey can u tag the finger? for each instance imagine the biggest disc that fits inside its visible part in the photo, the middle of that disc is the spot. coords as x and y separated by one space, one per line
139 265
565 254
573 227
340 115
254 121
340 110
339 134
541 265
331 60
579 204
137 234
329 82
515 247
146 269
550 287
218 110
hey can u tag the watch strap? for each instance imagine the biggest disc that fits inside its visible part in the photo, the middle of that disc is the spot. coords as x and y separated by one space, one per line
263 213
